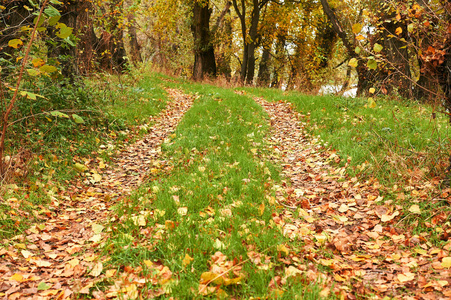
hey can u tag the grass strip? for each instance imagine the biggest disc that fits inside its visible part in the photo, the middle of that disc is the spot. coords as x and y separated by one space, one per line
210 219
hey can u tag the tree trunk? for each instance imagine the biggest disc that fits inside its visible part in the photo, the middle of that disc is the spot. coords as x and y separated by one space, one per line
87 39
242 16
135 48
204 55
253 32
224 50
395 51
11 19
263 70
110 49
363 73
64 53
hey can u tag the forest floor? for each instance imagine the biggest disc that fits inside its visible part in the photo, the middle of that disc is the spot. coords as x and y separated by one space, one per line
237 201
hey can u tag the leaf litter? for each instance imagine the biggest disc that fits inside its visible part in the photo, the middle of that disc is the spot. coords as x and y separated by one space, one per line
59 259
351 234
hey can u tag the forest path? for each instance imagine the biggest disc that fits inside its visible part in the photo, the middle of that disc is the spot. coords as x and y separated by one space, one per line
345 224
349 237
58 258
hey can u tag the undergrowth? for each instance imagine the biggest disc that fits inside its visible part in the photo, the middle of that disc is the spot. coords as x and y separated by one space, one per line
43 148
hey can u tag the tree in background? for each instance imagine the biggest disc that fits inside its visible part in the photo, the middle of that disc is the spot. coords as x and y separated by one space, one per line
204 55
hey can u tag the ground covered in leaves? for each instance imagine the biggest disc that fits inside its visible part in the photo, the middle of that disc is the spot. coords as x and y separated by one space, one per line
236 200
346 226
59 258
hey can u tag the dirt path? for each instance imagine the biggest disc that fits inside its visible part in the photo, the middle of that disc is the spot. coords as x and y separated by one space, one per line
345 225
57 259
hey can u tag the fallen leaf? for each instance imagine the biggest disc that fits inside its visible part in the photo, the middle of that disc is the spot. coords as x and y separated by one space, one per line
187 260
387 218
446 262
43 286
97 229
17 277
26 253
97 270
405 277
42 263
415 209
182 211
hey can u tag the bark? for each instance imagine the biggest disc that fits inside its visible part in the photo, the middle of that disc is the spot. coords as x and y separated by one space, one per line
12 18
87 40
224 50
253 31
249 38
364 75
326 42
280 49
204 56
264 75
58 49
135 48
242 16
397 72
110 48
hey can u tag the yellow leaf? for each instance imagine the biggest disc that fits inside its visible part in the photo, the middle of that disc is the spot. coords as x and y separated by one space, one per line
96 228
360 37
96 238
446 262
15 43
110 273
17 277
208 277
398 31
42 263
283 249
20 246
353 63
386 218
80 168
372 90
97 269
187 260
356 28
415 209
139 220
343 208
339 278
148 263
26 253
48 69
96 177
182 211
38 62
261 209
73 263
218 244
406 277
327 262
236 280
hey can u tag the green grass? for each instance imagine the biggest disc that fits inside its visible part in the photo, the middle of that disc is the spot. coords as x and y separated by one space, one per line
114 114
218 179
